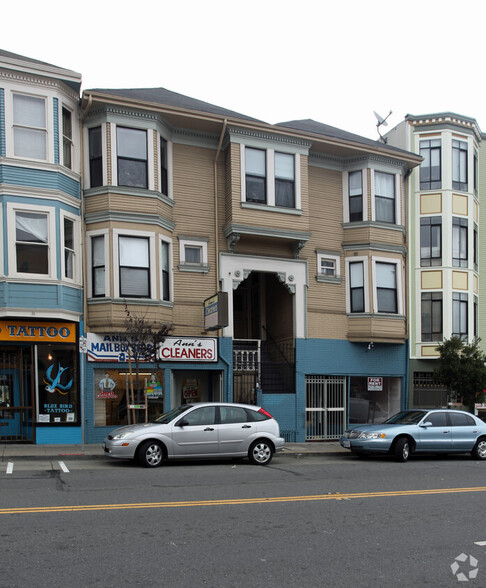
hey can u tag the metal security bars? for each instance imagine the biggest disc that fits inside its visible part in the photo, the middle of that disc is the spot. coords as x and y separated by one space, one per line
325 407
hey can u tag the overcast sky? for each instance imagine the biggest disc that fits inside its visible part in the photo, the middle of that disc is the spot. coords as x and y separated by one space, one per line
276 60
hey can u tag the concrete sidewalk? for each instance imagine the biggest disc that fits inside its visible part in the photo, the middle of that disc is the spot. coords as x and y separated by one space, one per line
17 451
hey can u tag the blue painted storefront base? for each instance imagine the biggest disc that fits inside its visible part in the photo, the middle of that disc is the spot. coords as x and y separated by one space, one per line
58 435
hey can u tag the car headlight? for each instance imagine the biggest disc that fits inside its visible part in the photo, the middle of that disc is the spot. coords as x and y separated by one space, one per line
122 435
365 435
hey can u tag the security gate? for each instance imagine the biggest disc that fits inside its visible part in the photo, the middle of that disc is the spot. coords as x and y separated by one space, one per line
325 407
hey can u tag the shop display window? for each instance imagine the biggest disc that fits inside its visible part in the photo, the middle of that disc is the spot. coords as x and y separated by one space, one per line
373 400
57 393
115 403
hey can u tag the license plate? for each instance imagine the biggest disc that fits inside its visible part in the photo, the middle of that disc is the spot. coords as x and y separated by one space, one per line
346 444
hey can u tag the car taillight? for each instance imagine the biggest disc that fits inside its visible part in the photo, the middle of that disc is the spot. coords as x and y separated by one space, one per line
266 413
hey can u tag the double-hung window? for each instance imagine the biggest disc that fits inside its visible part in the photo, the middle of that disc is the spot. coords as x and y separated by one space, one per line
384 197
134 263
164 185
95 157
386 287
355 188
98 266
132 157
430 169
165 257
29 127
459 242
284 180
67 138
459 315
356 286
68 248
431 316
459 165
430 241
256 175
31 242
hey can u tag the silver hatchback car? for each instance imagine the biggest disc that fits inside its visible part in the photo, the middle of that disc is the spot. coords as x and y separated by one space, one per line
199 430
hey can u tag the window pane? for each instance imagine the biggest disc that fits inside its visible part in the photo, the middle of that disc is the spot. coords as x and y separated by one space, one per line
284 166
255 162
32 259
31 227
134 282
134 251
99 281
29 111
132 173
98 250
284 194
327 267
68 233
131 143
95 142
192 254
30 143
385 209
356 274
384 185
386 275
355 184
255 189
357 300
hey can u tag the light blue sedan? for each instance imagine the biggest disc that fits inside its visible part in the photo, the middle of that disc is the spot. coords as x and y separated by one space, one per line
420 431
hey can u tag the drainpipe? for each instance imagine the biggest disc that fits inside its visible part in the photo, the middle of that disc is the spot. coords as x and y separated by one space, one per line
216 218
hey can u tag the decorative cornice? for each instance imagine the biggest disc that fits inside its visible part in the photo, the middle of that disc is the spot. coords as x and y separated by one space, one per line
260 135
129 217
446 119
388 248
124 191
265 232
24 78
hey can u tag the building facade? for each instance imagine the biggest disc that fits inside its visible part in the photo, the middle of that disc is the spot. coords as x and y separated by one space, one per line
444 244
40 260
301 226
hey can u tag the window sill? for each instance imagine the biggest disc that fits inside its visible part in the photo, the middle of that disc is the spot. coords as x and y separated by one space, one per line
267 208
328 279
200 269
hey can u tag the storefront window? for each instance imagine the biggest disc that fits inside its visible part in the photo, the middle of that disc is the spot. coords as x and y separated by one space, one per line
114 397
373 400
57 394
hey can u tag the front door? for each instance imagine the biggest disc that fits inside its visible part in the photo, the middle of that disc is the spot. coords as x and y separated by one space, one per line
16 408
198 435
437 436
325 407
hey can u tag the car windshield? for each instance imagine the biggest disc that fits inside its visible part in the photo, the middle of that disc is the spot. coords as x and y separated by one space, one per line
165 418
406 417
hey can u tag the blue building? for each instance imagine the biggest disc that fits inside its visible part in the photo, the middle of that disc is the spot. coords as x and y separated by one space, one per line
41 295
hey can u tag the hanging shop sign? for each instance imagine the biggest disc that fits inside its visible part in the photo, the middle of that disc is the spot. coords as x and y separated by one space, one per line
188 349
184 349
38 332
216 312
375 384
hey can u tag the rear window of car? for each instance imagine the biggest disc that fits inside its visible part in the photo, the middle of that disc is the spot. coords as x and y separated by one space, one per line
461 420
256 415
232 414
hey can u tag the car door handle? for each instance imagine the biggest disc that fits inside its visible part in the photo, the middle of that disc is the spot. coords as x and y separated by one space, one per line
246 427
209 429
445 432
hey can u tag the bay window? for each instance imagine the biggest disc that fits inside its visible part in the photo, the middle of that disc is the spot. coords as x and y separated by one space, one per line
356 286
134 267
132 157
355 180
284 180
31 242
29 127
459 165
430 169
256 175
430 241
98 266
431 315
95 157
459 242
384 197
386 287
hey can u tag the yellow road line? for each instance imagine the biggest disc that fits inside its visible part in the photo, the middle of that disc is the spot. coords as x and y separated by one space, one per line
237 501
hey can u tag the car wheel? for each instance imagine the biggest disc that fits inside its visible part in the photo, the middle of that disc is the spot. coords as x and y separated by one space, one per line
402 449
479 451
260 453
150 454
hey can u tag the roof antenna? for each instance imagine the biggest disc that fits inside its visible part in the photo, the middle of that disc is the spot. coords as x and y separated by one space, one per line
381 121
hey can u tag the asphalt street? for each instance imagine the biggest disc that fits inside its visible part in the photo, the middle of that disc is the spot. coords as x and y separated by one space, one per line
304 520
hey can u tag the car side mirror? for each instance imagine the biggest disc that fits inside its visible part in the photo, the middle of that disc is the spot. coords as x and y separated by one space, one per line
426 425
183 423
